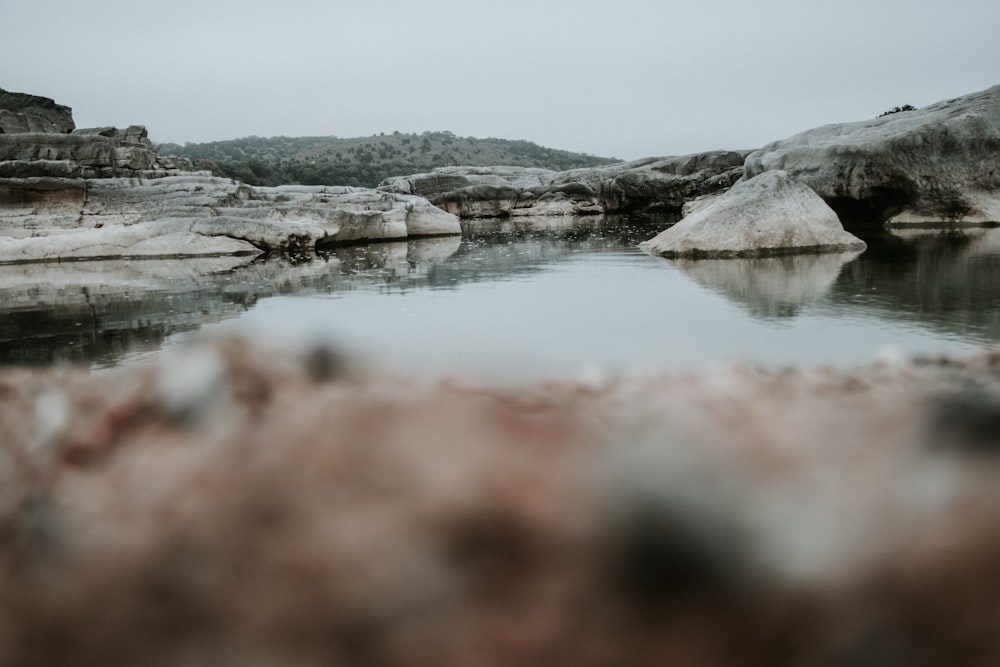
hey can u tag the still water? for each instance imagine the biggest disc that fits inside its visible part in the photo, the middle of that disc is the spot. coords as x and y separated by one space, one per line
522 307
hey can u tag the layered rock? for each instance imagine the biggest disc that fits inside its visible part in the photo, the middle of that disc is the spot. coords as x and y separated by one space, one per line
105 192
20 112
652 184
192 214
105 152
766 215
940 163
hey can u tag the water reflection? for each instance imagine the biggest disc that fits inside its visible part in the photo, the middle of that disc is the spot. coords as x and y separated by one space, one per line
769 287
97 311
587 288
946 279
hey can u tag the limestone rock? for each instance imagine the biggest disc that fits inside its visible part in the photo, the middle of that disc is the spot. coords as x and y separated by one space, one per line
766 215
89 153
20 112
652 184
193 214
940 163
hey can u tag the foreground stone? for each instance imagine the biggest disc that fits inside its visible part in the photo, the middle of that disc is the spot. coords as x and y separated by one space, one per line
651 184
767 215
940 163
235 506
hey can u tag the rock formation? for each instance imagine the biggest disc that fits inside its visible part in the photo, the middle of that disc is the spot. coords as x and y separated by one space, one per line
31 113
196 214
103 152
765 215
936 164
231 505
105 192
652 184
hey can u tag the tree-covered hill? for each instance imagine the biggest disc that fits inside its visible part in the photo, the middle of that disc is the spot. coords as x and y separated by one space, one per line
365 161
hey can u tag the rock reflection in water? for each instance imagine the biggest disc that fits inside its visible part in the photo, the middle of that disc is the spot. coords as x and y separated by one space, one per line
98 311
769 287
945 279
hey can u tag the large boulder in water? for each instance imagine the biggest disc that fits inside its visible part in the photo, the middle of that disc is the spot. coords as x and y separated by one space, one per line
936 164
770 214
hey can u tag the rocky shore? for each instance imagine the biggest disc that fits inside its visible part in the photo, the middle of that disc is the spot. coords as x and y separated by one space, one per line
234 504
107 193
931 166
103 192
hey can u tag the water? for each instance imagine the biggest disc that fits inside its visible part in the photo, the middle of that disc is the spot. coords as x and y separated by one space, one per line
522 307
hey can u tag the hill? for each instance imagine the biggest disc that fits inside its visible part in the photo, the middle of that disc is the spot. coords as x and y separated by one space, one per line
365 161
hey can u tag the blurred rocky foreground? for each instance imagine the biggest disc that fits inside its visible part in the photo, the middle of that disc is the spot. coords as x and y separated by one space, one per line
232 505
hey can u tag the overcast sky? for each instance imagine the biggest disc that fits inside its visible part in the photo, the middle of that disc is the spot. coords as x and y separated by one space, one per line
622 78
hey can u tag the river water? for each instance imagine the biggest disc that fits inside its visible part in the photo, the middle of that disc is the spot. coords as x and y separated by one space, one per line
521 307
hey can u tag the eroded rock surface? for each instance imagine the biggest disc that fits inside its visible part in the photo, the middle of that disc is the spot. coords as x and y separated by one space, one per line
105 192
194 214
651 184
231 505
20 112
940 163
766 215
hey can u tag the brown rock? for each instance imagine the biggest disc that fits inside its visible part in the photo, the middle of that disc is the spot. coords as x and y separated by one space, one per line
235 506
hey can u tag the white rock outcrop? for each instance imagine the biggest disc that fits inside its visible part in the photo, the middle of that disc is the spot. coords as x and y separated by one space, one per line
70 193
940 163
770 214
192 214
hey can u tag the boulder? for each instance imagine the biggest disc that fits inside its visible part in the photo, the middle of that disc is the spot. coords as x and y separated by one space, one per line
20 112
651 184
769 214
940 163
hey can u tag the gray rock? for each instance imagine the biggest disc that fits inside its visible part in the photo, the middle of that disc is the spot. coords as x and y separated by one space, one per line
106 192
192 214
770 214
20 112
91 153
936 164
652 184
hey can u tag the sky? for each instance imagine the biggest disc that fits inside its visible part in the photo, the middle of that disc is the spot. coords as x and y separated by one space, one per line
623 78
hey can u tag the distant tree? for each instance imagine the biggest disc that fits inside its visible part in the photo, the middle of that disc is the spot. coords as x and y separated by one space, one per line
905 107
